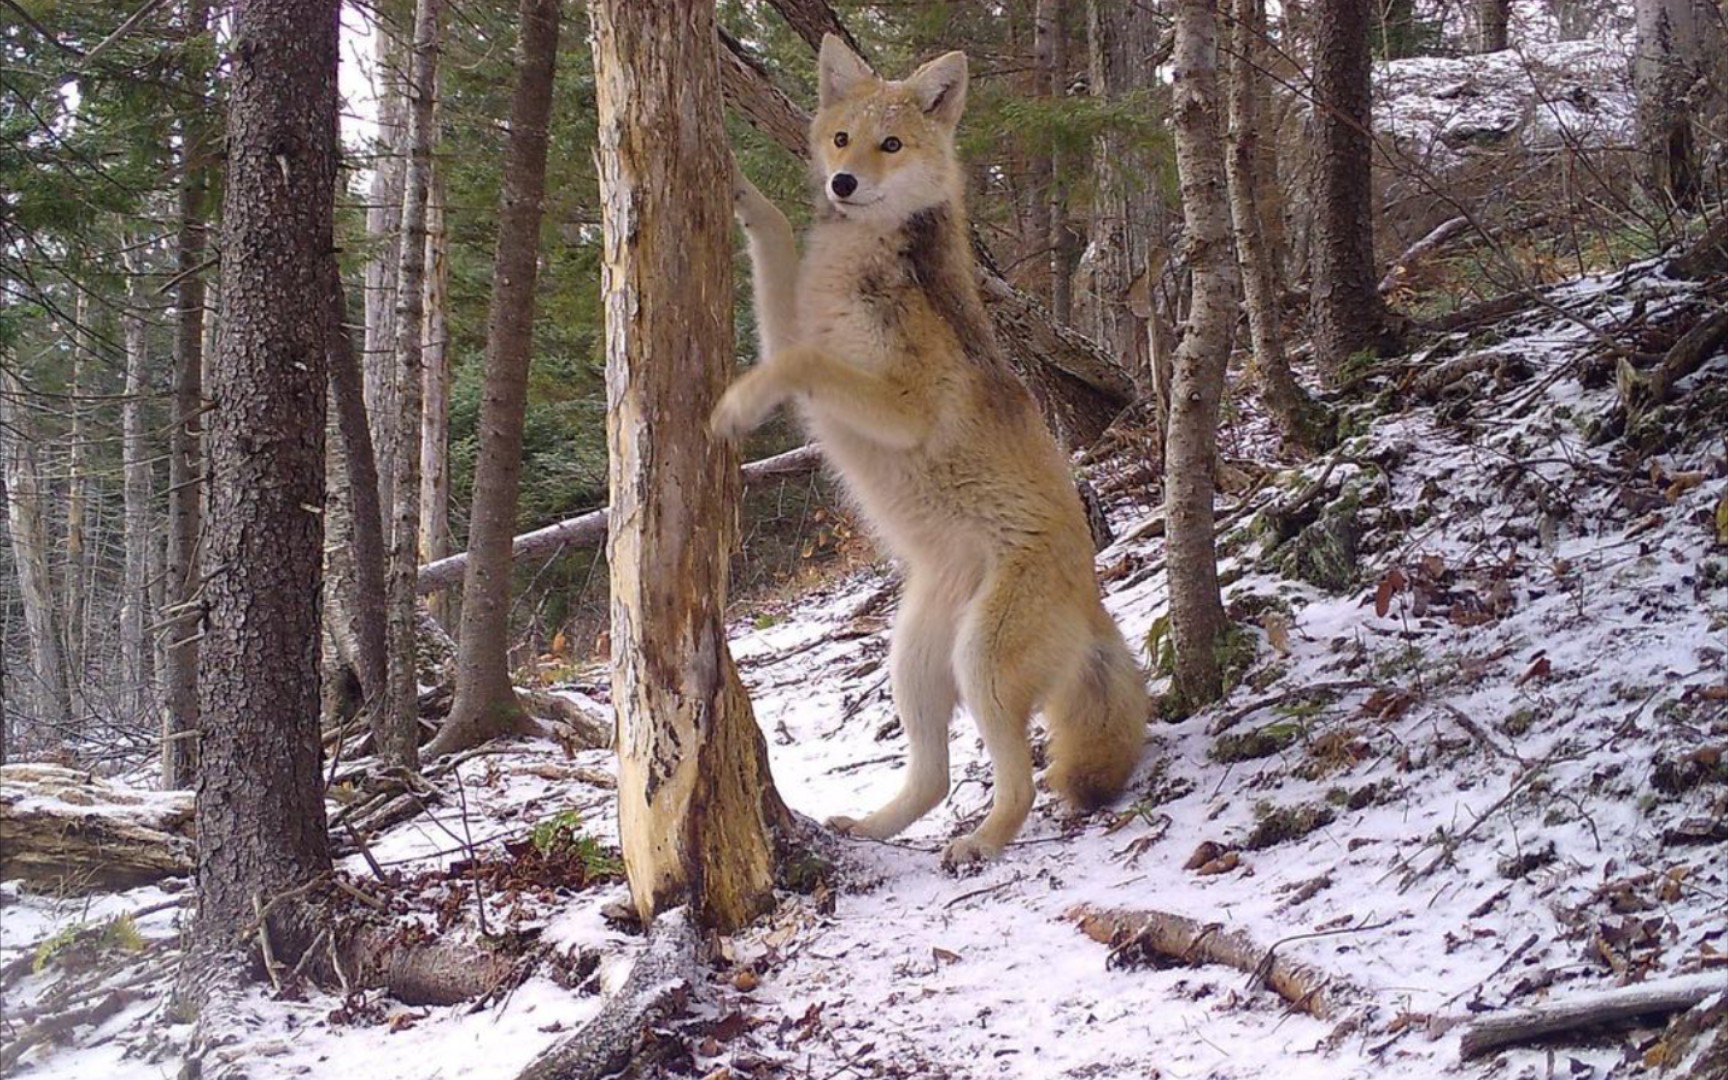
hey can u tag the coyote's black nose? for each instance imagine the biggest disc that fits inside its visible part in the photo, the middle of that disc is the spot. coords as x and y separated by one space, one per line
844 184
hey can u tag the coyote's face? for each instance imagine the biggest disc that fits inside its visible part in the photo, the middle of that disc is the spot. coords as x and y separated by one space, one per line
885 150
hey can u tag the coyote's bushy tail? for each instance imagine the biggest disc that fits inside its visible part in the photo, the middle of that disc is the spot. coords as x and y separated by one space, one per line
1097 721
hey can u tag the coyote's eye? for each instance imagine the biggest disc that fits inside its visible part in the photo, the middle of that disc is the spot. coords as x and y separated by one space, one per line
840 138
891 145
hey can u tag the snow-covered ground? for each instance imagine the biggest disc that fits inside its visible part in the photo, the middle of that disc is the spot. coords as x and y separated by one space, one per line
1507 788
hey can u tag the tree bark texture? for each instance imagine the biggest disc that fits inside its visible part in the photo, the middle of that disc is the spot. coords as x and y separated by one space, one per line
1128 216
1286 399
1346 311
1493 20
76 570
435 540
485 704
181 592
1196 611
48 698
364 606
384 230
137 666
260 807
697 807
396 724
1664 69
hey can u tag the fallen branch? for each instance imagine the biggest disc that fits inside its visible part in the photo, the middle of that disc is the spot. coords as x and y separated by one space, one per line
657 988
1609 1007
1189 941
55 1028
1706 257
1441 233
588 530
1642 391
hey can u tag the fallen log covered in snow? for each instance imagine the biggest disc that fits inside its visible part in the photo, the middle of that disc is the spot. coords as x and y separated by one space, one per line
1615 1006
68 831
1190 941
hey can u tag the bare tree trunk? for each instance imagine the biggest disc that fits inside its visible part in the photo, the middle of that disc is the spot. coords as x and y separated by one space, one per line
396 726
1038 179
48 698
1196 610
137 670
435 542
1127 215
361 611
1064 242
384 230
260 805
485 704
77 566
1298 417
1494 17
182 592
1347 314
1664 69
697 807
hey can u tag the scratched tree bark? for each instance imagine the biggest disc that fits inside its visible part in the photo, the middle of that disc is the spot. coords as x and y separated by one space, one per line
698 813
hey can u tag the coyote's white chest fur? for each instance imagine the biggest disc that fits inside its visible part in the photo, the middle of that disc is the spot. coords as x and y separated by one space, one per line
880 339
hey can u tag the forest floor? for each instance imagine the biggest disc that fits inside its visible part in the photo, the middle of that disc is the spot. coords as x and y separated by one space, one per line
1473 762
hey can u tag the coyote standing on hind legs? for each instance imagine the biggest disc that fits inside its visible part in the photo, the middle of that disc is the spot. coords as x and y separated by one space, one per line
880 339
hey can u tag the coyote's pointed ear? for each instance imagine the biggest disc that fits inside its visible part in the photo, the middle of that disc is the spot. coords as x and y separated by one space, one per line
941 87
842 71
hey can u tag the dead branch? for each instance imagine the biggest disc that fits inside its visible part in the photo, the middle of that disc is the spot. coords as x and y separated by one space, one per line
588 530
1441 233
1189 941
55 1028
657 988
1642 391
1299 693
1615 1006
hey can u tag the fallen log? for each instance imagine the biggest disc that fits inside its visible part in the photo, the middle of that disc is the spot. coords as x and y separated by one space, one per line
1189 941
1616 1006
656 989
66 830
588 530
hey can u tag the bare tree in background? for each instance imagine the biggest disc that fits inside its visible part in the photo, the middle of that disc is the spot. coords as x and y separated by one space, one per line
1665 69
181 594
137 674
1197 618
396 723
697 807
1300 419
48 700
485 704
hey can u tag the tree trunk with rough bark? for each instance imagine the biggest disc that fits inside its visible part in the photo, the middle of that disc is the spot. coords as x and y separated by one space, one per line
48 697
260 806
1493 17
396 724
1346 310
358 610
698 811
76 571
485 703
1664 69
384 231
1196 610
1300 419
137 667
181 590
435 540
1128 216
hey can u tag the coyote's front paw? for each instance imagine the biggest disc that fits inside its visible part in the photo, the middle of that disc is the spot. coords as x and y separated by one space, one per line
744 406
968 853
752 208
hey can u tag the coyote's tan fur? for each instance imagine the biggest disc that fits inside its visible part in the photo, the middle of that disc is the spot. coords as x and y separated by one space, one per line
880 339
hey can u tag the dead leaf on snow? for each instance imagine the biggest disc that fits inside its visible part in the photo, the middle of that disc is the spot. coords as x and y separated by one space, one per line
1390 585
